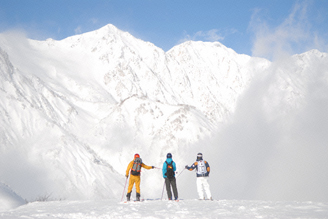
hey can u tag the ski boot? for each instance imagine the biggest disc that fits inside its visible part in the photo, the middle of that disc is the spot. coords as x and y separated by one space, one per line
138 197
128 196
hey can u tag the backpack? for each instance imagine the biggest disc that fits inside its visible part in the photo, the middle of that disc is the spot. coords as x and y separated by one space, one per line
136 168
201 169
169 170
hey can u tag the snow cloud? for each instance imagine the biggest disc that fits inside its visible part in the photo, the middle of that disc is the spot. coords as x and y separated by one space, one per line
274 150
275 146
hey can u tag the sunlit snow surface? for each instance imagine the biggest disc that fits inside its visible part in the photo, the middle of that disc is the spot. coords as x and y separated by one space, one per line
169 209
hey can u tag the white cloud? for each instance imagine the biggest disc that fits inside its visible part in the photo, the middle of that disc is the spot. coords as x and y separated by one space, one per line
91 25
94 20
78 30
293 35
210 35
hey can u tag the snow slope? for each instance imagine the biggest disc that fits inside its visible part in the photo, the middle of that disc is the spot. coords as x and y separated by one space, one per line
74 112
168 209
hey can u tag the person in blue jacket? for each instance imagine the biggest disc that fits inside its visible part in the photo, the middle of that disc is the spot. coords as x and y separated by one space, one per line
169 169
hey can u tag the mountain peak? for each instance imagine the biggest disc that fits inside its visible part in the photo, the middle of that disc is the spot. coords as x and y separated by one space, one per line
109 28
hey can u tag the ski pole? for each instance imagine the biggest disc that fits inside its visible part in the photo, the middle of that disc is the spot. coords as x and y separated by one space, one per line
124 188
180 173
163 190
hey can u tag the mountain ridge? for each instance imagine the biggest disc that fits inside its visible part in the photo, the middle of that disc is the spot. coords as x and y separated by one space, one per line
80 108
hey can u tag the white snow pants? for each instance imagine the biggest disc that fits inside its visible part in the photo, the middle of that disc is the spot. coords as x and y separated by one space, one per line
203 184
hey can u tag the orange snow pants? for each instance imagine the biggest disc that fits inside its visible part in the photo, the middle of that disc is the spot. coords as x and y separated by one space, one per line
136 180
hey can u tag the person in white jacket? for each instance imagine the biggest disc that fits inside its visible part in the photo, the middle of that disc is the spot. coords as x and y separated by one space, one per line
202 173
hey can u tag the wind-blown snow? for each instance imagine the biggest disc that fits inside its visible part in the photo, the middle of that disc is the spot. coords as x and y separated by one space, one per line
74 112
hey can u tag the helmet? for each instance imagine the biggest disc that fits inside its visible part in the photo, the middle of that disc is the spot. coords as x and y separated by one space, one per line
199 156
169 155
136 155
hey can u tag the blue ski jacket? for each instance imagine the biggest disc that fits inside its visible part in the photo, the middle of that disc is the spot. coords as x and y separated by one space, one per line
169 160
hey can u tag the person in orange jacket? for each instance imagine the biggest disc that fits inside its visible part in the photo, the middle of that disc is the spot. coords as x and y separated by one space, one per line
134 168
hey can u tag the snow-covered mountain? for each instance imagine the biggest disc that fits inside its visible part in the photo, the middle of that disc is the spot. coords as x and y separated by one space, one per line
74 112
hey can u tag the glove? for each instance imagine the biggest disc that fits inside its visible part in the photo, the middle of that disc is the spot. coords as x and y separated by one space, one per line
152 167
186 167
126 176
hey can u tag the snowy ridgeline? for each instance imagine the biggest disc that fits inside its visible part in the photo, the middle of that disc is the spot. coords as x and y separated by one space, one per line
169 209
74 112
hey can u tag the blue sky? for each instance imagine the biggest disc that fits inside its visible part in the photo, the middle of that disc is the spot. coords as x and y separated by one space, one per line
256 27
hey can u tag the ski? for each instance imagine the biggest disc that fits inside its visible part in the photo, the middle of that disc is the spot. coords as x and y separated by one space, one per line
177 200
141 200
